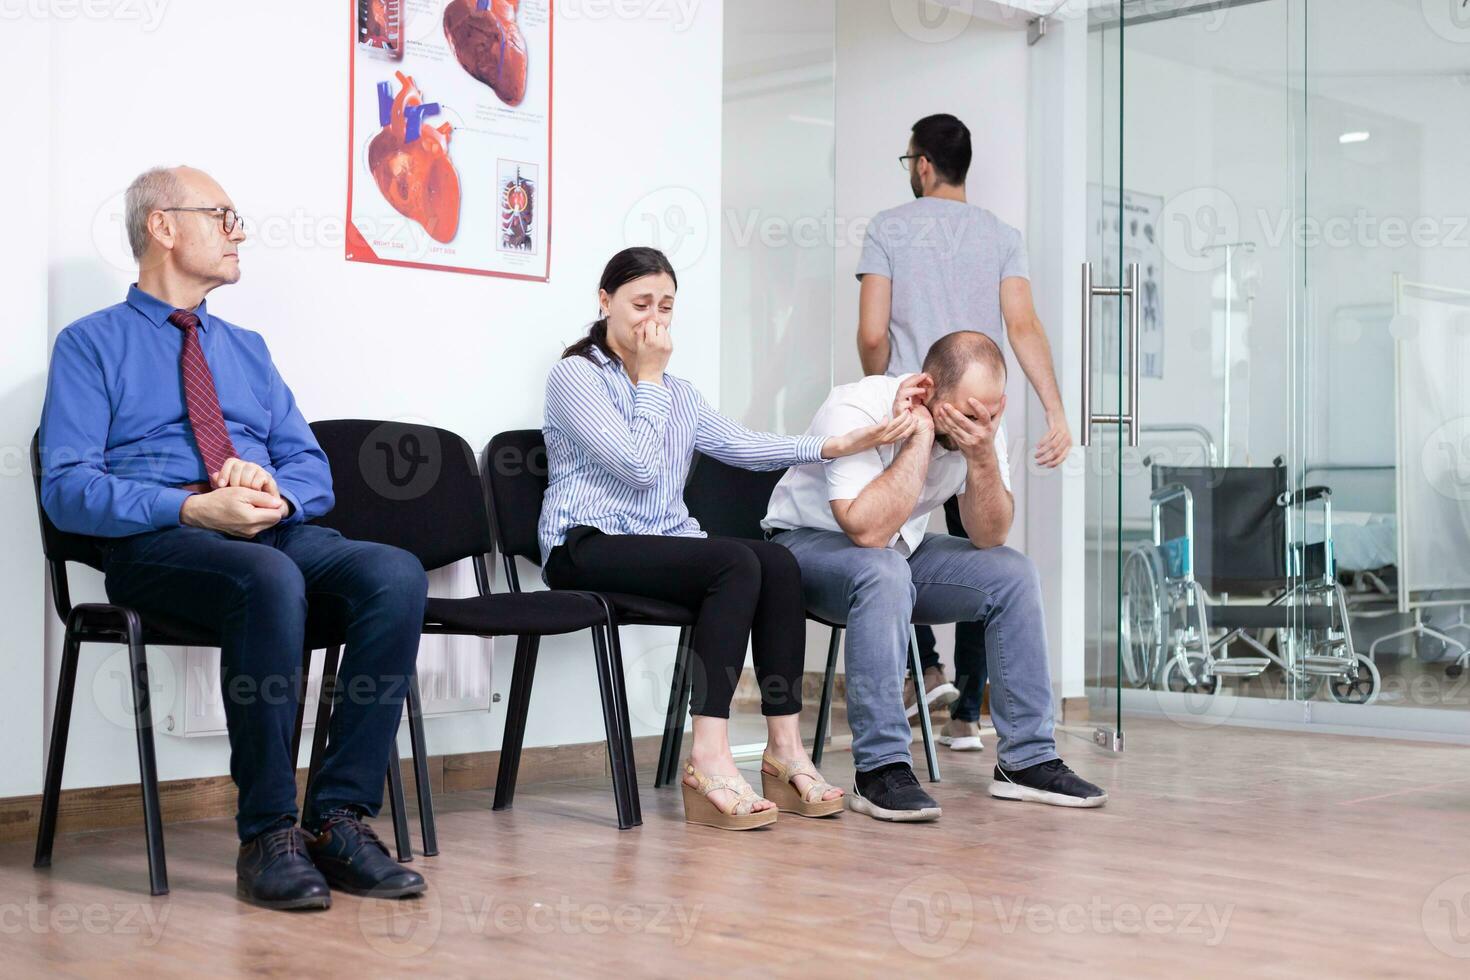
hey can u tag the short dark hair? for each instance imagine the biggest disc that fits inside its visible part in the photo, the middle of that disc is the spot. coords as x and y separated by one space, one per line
945 142
955 353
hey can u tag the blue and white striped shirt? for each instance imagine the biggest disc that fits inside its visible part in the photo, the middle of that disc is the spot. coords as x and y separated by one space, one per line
619 453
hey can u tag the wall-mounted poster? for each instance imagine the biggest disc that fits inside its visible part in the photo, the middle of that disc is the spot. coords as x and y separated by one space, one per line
449 136
1133 224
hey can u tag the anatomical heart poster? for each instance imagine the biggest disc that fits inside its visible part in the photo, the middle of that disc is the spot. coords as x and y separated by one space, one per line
449 136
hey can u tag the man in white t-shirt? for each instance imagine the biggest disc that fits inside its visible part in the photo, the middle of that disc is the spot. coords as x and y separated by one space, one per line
857 528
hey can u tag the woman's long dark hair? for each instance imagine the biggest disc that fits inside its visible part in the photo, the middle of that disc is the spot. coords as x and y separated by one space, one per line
623 268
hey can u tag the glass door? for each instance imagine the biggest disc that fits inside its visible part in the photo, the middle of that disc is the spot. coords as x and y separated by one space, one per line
1193 287
1276 475
1107 424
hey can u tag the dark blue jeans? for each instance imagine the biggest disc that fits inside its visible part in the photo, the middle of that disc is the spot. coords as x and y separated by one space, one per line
254 593
969 644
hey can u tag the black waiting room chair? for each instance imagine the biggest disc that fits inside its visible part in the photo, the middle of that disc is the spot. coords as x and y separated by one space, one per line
114 624
417 488
516 476
731 502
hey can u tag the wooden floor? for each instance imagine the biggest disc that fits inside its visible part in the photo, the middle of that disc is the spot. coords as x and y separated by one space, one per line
1223 852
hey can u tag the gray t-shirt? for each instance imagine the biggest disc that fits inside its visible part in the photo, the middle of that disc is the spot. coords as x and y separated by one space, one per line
946 260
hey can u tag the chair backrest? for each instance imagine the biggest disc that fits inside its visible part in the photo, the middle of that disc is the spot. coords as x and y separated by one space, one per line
58 546
412 486
1239 527
516 475
727 501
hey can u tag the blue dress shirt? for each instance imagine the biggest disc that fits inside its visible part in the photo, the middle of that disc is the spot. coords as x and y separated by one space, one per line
619 453
116 445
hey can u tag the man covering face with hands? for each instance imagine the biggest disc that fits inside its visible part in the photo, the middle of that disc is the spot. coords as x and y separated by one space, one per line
857 528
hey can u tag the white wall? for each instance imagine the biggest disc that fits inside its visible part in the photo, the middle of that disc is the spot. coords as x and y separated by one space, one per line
26 52
265 113
893 68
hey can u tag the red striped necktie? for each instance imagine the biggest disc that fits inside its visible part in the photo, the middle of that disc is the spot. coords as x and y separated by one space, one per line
205 417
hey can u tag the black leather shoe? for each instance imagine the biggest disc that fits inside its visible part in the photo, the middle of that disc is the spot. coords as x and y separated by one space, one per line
352 858
273 871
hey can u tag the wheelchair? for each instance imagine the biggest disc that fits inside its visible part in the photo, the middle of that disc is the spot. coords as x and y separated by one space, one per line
1225 590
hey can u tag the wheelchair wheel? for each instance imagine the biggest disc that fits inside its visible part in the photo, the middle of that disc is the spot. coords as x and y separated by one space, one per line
1361 687
1175 679
1144 620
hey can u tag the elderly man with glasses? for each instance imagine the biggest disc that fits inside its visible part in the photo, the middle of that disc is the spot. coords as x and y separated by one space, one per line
169 436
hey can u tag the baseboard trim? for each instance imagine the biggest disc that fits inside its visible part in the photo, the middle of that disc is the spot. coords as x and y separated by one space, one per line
111 807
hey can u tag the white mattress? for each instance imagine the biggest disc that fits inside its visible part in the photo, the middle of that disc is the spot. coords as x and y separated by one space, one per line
1362 540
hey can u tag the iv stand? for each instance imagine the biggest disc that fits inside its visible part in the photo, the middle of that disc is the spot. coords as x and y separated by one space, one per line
1229 248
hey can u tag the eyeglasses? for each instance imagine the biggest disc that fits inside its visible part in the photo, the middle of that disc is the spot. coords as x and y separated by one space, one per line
903 161
229 217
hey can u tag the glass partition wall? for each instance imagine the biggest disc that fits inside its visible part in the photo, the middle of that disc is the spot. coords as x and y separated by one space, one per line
1276 521
1289 542
1384 408
777 254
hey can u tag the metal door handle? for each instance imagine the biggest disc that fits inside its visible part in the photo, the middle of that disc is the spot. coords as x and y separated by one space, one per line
1130 292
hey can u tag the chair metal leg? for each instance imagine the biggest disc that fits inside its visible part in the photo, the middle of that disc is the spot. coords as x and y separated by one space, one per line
397 805
56 758
515 720
824 709
925 729
620 686
668 753
681 711
325 703
421 767
607 687
147 764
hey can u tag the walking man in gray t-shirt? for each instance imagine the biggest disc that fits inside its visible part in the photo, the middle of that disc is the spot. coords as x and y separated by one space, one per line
930 267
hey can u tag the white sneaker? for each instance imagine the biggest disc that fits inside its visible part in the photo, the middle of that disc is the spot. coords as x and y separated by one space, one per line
961 736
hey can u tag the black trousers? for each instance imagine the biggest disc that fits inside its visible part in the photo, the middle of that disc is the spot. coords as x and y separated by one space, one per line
741 590
969 643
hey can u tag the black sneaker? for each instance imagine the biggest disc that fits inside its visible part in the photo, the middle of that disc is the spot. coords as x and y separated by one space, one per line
892 792
354 859
1046 782
274 872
